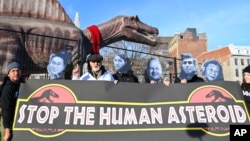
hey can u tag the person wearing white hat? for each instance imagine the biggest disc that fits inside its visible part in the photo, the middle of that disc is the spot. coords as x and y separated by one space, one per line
9 95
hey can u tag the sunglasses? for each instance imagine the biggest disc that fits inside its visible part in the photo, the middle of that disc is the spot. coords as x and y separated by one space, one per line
188 62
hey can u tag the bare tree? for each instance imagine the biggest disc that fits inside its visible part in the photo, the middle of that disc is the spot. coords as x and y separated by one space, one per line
137 53
130 49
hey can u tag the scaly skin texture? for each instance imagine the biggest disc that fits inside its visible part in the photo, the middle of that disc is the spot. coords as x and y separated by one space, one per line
48 18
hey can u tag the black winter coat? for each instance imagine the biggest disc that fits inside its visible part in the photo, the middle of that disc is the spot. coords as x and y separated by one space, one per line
128 77
195 78
246 93
10 92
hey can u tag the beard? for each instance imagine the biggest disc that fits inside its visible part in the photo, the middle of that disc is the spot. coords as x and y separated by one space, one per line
96 69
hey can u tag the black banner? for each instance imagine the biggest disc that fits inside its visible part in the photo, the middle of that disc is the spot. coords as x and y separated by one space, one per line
62 110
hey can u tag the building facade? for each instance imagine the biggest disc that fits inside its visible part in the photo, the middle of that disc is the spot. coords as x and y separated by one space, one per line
233 60
187 42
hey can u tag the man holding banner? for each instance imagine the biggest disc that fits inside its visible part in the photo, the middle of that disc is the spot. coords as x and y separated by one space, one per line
10 92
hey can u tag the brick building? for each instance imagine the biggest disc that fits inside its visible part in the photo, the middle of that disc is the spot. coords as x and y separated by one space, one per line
233 60
187 42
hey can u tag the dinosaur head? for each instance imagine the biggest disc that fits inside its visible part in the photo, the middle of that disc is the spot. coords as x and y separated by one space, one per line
128 28
210 94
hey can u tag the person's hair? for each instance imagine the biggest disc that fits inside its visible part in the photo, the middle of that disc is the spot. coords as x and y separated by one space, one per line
215 62
186 56
123 56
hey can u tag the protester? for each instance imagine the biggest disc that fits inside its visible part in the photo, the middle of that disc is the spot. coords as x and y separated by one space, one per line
189 70
123 69
58 63
212 70
153 73
9 95
245 86
96 71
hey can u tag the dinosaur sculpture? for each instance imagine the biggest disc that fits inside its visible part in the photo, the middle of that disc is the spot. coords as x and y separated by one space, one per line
23 20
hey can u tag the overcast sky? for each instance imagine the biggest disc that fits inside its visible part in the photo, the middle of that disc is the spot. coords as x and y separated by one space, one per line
224 21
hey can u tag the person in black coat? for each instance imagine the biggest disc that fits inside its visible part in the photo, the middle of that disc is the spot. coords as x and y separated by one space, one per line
9 95
195 78
245 86
123 69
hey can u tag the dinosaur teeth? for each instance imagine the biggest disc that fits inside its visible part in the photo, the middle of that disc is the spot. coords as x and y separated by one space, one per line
153 37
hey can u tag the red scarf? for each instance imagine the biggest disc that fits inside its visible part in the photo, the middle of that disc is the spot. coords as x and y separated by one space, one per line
96 38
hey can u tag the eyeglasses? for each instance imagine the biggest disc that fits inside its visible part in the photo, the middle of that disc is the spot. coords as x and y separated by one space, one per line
188 62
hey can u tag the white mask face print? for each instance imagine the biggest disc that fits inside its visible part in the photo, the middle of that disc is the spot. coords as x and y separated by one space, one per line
119 62
212 70
122 63
154 69
58 63
189 66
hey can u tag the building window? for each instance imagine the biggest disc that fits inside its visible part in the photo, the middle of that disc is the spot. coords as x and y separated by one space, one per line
236 72
235 61
42 77
248 61
242 62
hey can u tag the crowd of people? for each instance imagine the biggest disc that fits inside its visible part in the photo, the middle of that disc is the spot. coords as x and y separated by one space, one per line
211 71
